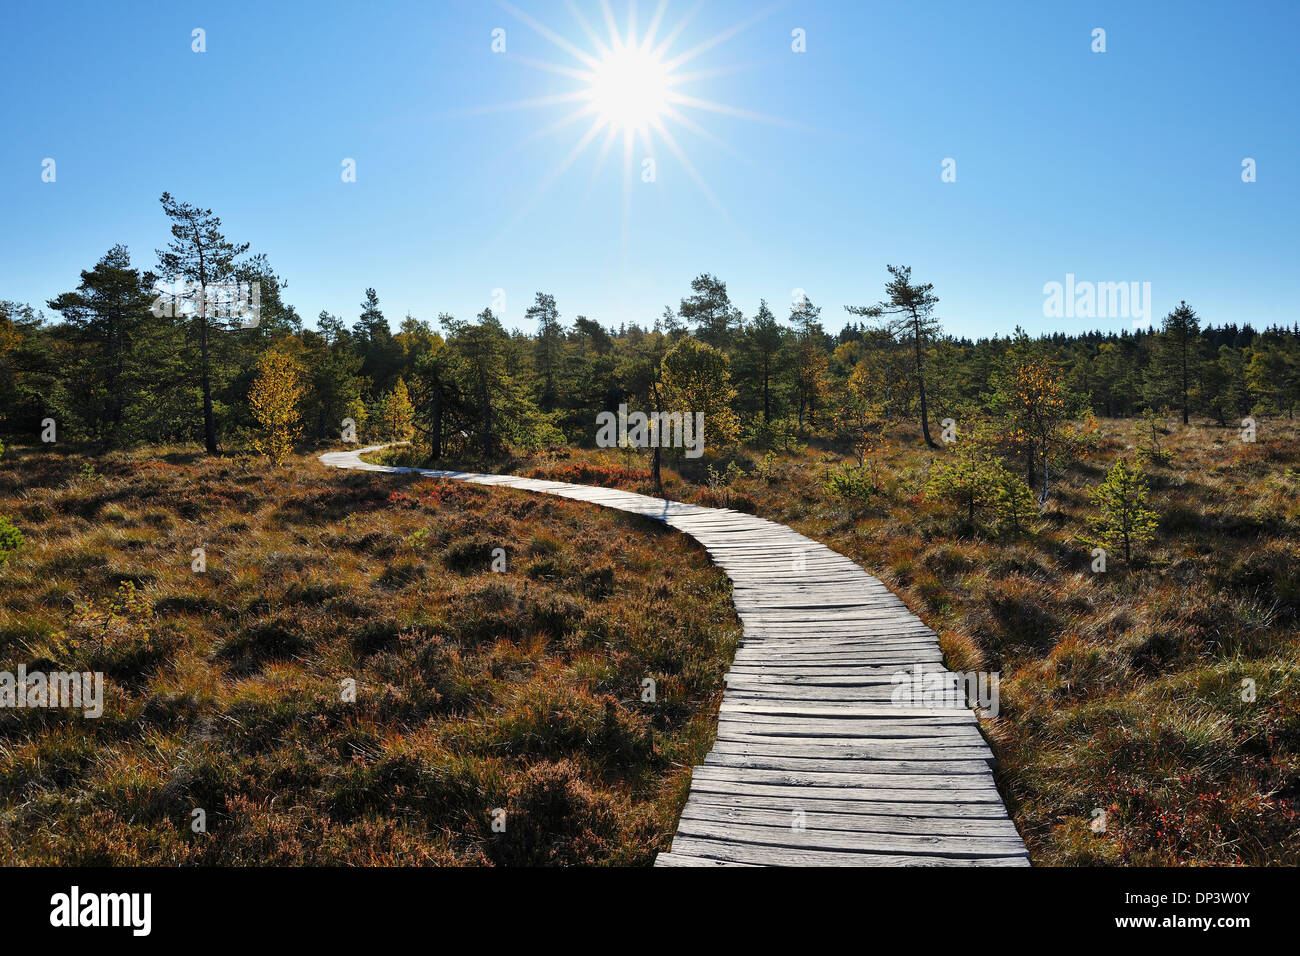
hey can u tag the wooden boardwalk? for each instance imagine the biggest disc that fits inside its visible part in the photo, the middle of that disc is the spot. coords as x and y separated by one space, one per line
814 764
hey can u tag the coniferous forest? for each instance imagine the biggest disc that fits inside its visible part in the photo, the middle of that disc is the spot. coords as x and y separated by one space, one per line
102 362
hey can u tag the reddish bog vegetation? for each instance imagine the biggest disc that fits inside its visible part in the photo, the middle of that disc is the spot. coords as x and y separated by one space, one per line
476 691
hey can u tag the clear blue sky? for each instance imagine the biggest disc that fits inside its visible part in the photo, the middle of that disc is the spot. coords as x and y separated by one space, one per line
1115 166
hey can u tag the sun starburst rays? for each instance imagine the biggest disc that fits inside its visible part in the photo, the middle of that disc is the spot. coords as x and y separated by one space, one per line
629 82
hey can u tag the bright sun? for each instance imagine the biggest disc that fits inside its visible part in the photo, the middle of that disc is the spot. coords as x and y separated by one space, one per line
629 88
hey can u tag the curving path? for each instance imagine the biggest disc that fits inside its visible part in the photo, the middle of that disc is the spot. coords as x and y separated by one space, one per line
813 763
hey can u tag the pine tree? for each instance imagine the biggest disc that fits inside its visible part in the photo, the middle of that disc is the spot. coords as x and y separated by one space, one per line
493 400
1122 515
11 540
335 376
432 393
480 370
1213 393
760 347
811 365
1273 375
709 308
199 253
23 367
968 479
104 318
332 329
910 321
1015 500
549 346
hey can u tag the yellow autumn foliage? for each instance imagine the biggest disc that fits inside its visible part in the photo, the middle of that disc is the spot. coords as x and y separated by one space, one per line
273 401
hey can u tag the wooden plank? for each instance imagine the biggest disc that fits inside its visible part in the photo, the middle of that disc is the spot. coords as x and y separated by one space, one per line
852 748
872 694
816 817
875 678
811 672
863 841
933 715
902 657
800 856
792 800
681 859
873 765
810 732
807 730
897 792
968 786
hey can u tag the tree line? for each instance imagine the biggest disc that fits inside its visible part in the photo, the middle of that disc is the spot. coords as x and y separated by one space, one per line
113 369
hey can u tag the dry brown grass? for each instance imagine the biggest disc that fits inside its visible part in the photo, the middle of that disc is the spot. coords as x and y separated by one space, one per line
476 690
1120 691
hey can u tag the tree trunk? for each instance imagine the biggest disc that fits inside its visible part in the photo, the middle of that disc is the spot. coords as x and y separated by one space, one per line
1184 382
655 458
1043 500
767 412
209 424
435 424
920 383
118 391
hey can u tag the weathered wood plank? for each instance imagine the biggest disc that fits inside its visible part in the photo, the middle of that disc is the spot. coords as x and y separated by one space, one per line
929 715
897 792
967 786
874 765
807 730
929 844
680 859
815 817
847 749
793 799
799 856
811 732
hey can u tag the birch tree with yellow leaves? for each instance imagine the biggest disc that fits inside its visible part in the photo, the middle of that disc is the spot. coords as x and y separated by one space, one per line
273 400
396 415
1038 411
